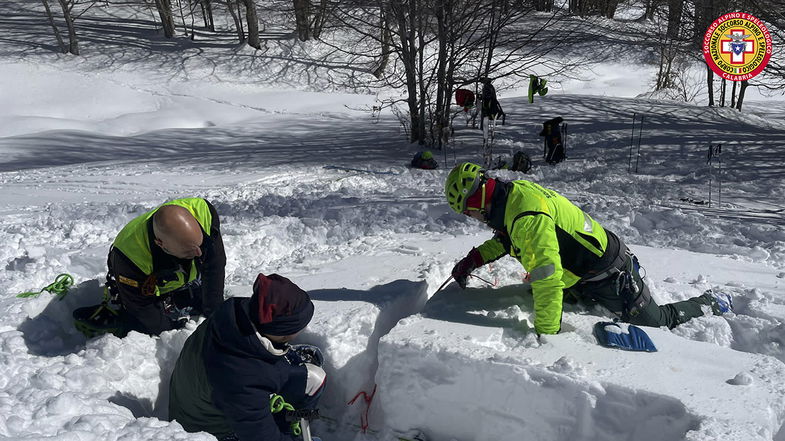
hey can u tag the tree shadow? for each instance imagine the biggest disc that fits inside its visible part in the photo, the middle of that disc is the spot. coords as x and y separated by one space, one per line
52 333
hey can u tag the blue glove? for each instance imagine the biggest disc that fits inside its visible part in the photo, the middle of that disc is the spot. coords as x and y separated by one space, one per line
623 336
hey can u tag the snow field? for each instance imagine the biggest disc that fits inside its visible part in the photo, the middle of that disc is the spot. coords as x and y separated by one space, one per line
308 187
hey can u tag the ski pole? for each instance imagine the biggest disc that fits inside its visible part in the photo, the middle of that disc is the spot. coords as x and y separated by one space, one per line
638 156
632 139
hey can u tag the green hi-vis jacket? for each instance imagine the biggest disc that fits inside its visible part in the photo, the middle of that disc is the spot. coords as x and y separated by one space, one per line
553 239
135 238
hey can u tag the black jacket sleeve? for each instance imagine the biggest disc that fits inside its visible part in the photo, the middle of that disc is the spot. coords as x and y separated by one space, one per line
146 312
212 266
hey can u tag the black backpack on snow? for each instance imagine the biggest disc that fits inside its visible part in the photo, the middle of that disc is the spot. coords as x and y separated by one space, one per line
554 144
490 104
521 162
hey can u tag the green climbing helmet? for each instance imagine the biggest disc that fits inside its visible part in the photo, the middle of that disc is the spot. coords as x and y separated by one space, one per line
461 183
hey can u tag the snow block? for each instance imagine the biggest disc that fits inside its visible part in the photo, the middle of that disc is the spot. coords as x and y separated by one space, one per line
469 382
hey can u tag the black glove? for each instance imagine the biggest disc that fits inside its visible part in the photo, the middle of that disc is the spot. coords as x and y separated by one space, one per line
303 353
464 267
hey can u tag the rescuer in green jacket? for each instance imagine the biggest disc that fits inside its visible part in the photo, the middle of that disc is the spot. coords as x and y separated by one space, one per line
168 264
562 248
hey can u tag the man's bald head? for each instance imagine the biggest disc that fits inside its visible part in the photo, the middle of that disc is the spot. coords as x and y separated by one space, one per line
177 232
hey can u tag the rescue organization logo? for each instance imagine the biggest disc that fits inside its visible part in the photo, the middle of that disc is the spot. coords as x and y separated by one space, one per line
737 46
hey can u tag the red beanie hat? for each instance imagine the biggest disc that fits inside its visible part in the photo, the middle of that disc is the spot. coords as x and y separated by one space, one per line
278 306
475 200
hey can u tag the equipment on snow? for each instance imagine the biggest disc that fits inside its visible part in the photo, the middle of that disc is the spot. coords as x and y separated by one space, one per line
464 98
554 149
715 155
521 162
490 112
632 139
537 85
59 287
491 108
623 336
424 160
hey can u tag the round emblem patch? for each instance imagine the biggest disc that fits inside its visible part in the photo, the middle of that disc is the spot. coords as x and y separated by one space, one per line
737 46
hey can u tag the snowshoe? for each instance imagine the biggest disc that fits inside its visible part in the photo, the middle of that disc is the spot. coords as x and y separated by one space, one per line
93 321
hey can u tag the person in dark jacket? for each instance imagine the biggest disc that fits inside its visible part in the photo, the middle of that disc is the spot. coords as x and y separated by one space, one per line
168 264
240 358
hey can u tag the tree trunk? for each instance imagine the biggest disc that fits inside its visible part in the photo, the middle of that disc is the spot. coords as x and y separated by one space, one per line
386 42
441 72
301 15
406 35
59 38
733 95
710 85
722 92
319 19
743 88
207 14
238 24
253 24
421 75
650 8
73 42
675 10
610 9
165 13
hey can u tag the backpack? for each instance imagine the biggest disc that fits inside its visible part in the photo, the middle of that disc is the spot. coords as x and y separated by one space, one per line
424 160
521 162
464 98
553 149
490 104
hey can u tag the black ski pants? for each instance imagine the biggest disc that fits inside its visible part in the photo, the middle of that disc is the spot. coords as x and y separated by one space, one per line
626 295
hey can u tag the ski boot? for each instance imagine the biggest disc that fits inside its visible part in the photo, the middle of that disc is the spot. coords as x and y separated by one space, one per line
721 303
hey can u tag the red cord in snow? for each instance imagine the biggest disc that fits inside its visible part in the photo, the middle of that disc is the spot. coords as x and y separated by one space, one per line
368 399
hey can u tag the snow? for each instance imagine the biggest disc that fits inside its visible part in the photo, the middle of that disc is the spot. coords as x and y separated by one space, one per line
309 186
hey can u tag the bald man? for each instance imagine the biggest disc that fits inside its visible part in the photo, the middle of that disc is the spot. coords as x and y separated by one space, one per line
168 264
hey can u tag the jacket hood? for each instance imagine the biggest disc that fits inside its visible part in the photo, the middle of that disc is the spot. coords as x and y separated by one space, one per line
232 329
